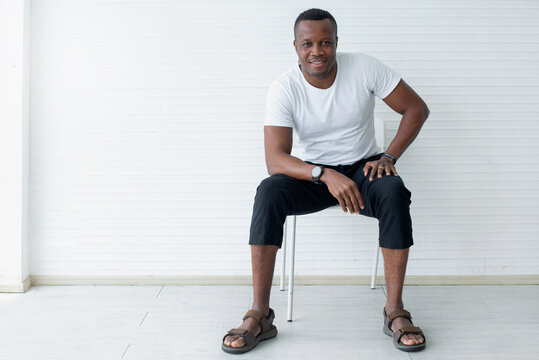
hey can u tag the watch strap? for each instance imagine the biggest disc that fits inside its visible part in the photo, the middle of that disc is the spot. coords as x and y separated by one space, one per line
391 157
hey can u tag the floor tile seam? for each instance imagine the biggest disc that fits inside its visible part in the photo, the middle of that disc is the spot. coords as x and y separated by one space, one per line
159 292
139 327
125 351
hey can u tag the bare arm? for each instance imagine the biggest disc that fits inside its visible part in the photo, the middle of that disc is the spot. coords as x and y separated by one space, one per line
404 100
414 111
278 146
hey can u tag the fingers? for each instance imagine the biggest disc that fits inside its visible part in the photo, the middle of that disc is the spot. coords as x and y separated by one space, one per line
342 203
345 191
353 205
388 169
359 198
373 166
350 203
354 200
367 167
374 170
379 168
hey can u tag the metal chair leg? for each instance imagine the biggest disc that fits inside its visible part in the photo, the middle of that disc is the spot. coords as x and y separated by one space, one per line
375 266
283 250
291 275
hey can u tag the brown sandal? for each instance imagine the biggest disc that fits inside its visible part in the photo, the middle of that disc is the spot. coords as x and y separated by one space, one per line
268 331
397 335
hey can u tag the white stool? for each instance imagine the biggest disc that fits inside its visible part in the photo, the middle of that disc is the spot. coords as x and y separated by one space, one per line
292 261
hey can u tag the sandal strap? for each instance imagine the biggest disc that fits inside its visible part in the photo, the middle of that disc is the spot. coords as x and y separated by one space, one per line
263 321
237 331
388 318
246 334
254 314
399 313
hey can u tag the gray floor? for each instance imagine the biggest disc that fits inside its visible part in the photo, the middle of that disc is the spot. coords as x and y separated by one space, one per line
331 322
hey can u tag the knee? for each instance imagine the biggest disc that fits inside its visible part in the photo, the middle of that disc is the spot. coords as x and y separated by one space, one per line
272 189
394 191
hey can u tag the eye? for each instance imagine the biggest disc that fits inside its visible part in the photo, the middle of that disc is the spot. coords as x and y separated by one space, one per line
307 44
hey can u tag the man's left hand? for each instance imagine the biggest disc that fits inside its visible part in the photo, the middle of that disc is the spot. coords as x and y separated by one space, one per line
380 167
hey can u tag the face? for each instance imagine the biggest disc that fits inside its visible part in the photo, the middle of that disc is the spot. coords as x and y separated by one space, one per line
316 46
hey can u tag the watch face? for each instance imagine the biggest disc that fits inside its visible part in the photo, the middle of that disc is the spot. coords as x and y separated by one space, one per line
316 172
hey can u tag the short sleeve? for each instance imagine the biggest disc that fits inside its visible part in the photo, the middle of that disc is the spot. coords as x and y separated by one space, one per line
381 80
278 107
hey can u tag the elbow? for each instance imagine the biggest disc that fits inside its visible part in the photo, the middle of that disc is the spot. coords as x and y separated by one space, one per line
274 169
425 112
271 167
419 112
275 162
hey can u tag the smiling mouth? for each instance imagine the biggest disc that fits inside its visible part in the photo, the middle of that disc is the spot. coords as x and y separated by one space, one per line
317 62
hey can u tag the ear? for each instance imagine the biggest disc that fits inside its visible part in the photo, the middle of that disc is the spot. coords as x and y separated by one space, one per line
336 41
295 46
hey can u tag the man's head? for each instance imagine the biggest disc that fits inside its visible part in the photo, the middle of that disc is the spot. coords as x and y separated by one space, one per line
315 41
315 15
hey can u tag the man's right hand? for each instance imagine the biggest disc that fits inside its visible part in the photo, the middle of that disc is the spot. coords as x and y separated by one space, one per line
344 190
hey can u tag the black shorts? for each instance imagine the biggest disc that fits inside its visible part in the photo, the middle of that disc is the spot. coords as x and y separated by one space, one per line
385 198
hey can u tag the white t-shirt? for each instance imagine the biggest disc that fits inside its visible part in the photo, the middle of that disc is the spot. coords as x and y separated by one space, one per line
333 126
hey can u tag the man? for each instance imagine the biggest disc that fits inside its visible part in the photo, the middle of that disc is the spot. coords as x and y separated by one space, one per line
328 99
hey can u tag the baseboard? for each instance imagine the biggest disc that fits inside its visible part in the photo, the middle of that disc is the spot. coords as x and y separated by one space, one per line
299 280
18 287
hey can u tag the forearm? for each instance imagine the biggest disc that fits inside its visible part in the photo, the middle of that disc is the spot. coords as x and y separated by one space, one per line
284 163
409 127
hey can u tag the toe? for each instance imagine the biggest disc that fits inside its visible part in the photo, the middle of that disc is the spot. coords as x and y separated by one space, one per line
239 342
412 339
230 339
407 340
417 339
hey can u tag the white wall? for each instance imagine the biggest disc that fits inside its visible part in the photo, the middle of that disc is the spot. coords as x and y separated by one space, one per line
146 135
14 144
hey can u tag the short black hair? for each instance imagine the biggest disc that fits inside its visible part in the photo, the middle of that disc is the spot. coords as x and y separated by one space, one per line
315 14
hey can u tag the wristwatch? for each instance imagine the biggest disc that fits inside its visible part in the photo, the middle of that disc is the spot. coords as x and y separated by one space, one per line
316 172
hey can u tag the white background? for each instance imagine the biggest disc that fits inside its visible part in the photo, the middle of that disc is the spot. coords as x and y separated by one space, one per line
147 143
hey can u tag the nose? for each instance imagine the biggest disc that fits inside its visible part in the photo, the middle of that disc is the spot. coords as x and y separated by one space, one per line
316 50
